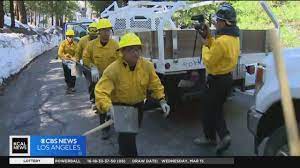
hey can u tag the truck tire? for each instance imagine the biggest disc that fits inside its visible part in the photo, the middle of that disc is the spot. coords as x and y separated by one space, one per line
277 144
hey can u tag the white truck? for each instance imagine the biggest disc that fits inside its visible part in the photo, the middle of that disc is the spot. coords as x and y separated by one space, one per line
79 27
171 48
265 119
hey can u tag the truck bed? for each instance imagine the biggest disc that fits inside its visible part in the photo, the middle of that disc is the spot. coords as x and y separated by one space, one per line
252 41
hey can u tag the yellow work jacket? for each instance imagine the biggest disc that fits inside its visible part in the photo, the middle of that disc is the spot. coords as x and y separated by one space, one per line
100 56
221 54
81 46
119 84
66 48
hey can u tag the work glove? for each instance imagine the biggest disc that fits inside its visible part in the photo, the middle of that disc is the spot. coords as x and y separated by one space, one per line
165 107
110 113
67 57
73 59
94 74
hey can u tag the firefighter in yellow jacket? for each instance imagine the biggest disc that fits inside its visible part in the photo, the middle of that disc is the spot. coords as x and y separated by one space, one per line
92 34
220 56
126 81
66 52
99 53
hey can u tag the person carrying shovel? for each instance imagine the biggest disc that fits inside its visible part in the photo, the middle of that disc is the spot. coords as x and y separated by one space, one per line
66 53
98 54
125 82
92 34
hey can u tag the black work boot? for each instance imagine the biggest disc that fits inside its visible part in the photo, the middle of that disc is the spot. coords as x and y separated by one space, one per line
68 90
73 90
223 144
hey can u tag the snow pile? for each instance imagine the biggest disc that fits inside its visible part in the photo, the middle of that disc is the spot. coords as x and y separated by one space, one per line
18 24
17 50
7 22
53 30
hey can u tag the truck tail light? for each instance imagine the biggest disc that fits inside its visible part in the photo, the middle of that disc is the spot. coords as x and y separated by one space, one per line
250 69
167 65
259 80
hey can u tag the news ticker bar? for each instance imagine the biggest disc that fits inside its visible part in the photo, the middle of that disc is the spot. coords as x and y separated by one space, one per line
192 160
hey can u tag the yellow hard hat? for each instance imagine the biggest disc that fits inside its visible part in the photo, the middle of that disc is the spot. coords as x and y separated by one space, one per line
129 39
94 24
104 23
70 32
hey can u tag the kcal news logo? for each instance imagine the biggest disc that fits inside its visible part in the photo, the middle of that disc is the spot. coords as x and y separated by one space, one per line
47 145
19 145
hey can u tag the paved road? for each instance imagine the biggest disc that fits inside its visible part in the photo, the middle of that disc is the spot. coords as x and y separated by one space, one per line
35 104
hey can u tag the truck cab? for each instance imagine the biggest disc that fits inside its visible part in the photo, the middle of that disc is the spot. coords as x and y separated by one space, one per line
80 28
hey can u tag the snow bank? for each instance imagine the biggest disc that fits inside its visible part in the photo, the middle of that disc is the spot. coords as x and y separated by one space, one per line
7 23
17 50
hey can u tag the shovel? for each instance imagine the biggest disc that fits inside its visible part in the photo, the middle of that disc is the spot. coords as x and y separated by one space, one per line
125 119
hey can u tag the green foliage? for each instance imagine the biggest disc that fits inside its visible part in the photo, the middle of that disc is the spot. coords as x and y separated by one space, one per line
183 17
6 6
250 15
57 8
99 6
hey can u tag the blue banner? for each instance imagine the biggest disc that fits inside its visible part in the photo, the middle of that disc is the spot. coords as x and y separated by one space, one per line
57 146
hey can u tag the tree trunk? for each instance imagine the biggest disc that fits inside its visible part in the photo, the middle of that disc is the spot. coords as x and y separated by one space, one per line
1 13
12 14
52 19
22 11
56 20
61 21
39 19
52 13
31 18
34 18
44 20
16 10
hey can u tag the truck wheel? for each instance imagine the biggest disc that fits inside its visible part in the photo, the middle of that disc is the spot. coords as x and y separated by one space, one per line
277 144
